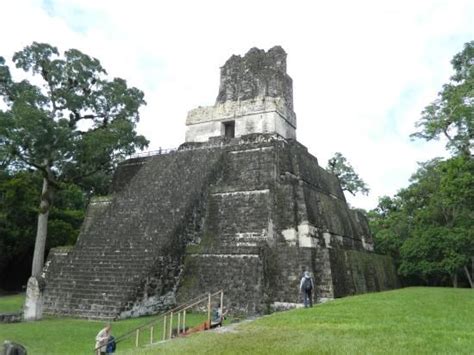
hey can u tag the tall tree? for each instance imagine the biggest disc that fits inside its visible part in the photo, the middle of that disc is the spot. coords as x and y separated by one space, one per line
452 114
350 181
429 226
440 201
70 124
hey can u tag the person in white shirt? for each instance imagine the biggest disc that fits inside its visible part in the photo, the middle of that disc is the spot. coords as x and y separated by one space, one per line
306 287
102 338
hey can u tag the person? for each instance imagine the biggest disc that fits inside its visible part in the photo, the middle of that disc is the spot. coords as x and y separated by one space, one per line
102 339
217 316
306 287
11 348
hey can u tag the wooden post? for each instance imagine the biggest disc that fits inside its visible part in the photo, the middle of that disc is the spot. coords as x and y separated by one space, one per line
179 323
151 335
171 325
184 321
222 302
209 310
164 328
137 337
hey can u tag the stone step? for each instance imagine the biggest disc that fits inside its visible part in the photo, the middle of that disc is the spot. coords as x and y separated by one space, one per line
81 313
116 289
112 261
84 283
227 250
87 303
71 270
72 309
65 293
86 300
92 280
91 305
94 277
112 245
91 270
80 294
97 255
109 264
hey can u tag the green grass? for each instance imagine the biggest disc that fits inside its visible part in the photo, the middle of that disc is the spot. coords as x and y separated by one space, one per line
13 303
54 335
412 320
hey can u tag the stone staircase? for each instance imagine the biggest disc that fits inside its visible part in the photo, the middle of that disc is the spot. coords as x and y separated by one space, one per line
102 276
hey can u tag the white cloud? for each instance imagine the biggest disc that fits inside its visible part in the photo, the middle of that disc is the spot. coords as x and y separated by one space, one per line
362 71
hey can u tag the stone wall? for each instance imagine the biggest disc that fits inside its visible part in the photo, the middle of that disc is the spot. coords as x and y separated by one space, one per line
11 317
258 73
357 272
277 212
264 115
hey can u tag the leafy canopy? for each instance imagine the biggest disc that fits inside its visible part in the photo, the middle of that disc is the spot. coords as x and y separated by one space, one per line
429 226
69 122
350 181
452 114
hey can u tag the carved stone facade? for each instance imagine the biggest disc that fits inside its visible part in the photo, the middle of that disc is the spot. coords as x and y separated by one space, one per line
255 96
247 214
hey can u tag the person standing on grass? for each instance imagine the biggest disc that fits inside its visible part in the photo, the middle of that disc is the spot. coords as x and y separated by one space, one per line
102 339
306 287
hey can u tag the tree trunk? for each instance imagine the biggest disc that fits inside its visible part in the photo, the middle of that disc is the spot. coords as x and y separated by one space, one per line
454 278
33 309
42 229
472 268
466 270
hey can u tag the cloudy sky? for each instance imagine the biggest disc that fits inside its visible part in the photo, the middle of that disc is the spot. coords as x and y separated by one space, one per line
362 70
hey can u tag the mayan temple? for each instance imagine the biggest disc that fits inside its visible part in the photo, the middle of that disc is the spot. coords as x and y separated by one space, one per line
240 206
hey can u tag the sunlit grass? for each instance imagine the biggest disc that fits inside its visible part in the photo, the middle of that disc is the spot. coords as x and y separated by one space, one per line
412 320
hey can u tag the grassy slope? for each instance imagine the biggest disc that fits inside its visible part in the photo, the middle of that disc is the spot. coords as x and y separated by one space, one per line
13 303
413 320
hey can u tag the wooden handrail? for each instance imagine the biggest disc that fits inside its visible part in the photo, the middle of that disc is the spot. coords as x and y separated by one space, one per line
180 308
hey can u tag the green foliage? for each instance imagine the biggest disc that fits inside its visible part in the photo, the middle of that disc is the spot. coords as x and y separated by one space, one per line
452 114
390 225
19 193
429 226
408 321
350 181
75 124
